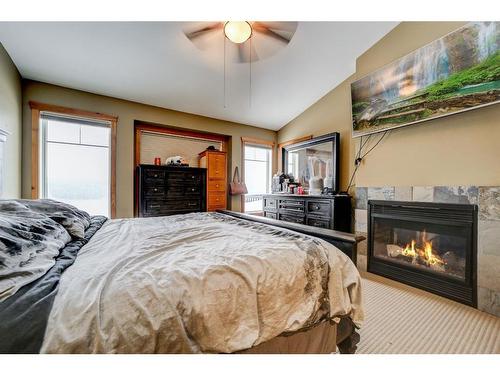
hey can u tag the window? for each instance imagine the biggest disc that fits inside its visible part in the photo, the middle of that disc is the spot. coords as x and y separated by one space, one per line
257 174
75 162
293 164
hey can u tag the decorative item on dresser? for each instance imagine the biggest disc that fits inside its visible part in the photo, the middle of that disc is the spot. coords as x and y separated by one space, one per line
216 164
167 190
323 211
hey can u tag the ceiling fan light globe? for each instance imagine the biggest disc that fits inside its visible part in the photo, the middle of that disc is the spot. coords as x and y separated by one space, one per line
237 31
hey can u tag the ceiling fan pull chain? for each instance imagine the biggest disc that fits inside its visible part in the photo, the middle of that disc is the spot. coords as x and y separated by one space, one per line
224 38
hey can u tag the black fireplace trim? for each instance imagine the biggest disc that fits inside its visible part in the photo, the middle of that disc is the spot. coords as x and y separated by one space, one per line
462 214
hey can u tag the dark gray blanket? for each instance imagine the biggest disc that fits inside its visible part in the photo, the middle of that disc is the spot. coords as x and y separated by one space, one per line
23 316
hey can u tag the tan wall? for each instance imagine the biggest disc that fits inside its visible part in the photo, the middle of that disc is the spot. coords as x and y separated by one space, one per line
329 114
10 121
127 112
456 150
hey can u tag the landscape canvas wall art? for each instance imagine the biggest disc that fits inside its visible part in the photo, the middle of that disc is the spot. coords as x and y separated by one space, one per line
458 72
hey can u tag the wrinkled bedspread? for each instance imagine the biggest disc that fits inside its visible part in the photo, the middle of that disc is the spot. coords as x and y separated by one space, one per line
197 283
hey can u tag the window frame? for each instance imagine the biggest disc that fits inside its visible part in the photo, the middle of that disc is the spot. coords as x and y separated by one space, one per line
37 109
247 141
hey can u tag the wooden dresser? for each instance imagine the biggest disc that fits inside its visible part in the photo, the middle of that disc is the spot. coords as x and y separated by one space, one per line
323 211
216 164
166 190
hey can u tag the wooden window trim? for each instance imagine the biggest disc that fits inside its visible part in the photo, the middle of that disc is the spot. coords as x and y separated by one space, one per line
253 141
36 109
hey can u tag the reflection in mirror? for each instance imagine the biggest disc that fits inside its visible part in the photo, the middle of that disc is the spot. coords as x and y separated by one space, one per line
313 164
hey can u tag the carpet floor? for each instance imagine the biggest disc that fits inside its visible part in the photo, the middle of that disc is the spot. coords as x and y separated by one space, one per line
400 319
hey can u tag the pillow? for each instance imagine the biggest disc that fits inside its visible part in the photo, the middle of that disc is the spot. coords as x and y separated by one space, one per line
29 242
74 220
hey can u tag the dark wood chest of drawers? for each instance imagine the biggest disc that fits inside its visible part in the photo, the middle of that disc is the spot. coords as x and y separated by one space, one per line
166 191
330 212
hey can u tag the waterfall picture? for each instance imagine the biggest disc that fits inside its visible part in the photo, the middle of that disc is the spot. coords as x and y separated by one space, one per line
459 72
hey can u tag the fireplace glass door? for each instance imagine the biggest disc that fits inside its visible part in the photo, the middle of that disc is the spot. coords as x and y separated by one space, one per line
428 245
434 248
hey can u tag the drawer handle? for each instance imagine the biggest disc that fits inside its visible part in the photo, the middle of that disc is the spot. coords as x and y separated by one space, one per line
155 176
192 189
155 189
192 204
192 176
217 185
155 206
317 207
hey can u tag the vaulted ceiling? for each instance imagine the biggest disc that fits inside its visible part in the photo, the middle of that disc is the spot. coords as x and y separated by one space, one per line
155 63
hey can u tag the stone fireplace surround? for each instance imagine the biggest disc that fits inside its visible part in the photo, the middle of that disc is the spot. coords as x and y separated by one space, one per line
488 250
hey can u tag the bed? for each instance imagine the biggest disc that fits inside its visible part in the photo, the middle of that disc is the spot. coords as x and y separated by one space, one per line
217 282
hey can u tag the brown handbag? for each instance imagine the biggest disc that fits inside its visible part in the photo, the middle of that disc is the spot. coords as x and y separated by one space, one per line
236 187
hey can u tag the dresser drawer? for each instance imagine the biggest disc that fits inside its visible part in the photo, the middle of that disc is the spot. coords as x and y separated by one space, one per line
154 191
320 223
174 191
319 208
216 185
271 215
165 207
217 200
175 205
270 204
154 208
291 218
296 206
217 166
183 178
216 207
154 177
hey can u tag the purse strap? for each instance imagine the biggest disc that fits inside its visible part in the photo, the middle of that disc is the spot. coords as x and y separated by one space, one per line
236 175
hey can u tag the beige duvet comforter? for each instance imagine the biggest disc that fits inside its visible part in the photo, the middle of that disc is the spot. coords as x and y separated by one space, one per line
197 283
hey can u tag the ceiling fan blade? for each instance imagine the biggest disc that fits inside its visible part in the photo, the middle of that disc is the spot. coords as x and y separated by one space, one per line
197 33
244 54
282 26
263 29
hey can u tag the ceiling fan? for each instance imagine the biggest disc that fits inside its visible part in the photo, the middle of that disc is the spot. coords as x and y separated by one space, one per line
253 40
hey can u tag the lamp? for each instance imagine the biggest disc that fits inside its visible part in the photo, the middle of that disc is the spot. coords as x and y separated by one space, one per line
237 31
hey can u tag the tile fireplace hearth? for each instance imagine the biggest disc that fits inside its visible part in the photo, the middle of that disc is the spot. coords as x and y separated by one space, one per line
432 246
487 198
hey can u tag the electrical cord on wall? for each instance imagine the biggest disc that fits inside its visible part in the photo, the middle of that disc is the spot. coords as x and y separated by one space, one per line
376 144
359 157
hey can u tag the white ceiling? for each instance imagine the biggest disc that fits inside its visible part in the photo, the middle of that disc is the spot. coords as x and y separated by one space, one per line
154 63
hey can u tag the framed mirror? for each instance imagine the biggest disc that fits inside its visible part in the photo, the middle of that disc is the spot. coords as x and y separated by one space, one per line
314 164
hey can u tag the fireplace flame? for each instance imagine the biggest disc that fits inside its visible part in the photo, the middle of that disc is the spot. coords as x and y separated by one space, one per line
427 255
409 250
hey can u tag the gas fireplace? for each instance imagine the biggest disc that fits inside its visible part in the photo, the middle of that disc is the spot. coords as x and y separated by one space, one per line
431 246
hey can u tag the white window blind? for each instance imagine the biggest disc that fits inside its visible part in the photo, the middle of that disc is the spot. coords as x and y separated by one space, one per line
75 162
258 171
